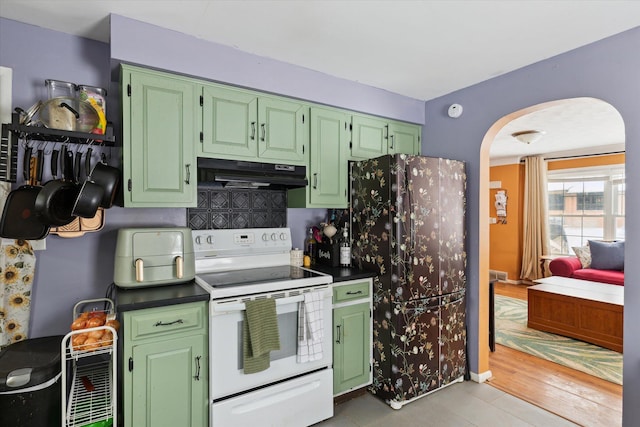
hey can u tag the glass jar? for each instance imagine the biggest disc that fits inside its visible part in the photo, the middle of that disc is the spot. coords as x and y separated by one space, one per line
97 93
60 89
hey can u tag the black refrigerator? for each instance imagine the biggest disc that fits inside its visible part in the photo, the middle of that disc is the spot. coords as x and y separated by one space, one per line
408 226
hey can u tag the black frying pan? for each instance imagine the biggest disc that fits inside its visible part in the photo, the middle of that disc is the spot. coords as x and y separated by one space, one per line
19 220
56 199
108 178
90 195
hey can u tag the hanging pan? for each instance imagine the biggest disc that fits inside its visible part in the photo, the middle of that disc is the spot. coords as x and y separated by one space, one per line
90 195
107 177
55 201
19 220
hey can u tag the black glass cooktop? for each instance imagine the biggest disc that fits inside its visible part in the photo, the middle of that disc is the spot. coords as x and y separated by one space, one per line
252 276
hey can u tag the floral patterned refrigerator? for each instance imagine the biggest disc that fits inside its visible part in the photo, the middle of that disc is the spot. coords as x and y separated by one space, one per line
408 220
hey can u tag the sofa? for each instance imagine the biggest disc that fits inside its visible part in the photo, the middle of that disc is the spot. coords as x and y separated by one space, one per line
597 262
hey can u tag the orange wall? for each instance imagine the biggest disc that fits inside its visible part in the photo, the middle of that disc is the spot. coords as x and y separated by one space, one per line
506 239
613 159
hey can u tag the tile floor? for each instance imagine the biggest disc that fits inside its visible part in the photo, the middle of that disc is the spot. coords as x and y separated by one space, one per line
459 405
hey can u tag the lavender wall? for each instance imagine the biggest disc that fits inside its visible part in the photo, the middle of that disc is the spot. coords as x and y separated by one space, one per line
607 70
73 269
69 269
138 42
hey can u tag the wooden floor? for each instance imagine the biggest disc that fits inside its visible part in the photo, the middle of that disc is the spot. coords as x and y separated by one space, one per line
576 396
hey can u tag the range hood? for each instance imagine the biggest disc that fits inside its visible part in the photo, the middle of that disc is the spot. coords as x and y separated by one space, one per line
242 174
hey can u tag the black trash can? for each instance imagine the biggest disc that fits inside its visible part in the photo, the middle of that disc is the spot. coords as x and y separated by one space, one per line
30 388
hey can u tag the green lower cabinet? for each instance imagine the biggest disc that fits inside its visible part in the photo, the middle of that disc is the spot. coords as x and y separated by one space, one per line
164 383
165 367
351 347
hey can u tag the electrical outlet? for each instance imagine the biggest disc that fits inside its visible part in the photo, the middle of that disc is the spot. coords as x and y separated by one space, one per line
38 245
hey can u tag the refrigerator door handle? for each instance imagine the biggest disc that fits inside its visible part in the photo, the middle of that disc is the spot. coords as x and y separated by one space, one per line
412 224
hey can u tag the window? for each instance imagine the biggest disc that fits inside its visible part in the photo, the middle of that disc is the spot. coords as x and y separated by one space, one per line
585 204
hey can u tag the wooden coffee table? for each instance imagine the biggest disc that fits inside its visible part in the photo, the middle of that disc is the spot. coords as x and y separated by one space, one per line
588 311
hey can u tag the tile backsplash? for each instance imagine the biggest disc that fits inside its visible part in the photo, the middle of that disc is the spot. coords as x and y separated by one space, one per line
220 208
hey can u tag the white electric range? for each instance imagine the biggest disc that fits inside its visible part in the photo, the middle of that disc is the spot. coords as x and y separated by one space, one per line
239 265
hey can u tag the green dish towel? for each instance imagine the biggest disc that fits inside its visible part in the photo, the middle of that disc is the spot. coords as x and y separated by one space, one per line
260 334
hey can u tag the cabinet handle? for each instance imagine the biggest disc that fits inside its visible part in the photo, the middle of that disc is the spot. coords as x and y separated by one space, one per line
391 141
139 270
263 128
354 293
253 131
338 334
161 323
188 180
387 128
179 267
315 181
197 375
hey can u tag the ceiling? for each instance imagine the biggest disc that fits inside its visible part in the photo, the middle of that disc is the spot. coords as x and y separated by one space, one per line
420 49
580 126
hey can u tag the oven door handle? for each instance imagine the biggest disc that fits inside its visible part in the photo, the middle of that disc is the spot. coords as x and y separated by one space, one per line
230 307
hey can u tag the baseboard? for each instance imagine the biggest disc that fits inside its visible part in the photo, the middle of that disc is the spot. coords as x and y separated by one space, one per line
482 377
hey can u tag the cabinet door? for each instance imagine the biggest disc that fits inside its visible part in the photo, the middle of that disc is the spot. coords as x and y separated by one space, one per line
170 383
369 138
351 346
283 130
159 140
229 123
327 171
404 138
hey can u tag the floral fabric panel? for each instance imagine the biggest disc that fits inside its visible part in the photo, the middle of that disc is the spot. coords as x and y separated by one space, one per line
408 220
17 261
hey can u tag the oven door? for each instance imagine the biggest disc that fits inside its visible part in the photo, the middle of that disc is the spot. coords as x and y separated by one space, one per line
227 317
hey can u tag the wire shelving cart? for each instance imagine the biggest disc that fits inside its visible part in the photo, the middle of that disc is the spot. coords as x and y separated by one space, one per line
89 370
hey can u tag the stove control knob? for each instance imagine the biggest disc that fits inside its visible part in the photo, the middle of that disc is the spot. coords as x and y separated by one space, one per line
198 240
273 236
210 240
265 237
283 236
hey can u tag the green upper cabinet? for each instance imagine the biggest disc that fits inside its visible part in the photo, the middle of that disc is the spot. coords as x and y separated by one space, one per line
158 126
327 172
244 125
404 138
374 137
229 123
283 130
369 138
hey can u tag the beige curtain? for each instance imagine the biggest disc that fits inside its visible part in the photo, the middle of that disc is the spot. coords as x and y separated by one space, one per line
536 230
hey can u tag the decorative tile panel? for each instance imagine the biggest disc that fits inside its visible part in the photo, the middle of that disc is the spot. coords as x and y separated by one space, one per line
219 208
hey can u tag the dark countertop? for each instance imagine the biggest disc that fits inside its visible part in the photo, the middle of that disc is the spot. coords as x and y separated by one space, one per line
157 296
342 274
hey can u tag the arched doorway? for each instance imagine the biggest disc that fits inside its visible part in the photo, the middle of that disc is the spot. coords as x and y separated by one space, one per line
485 206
